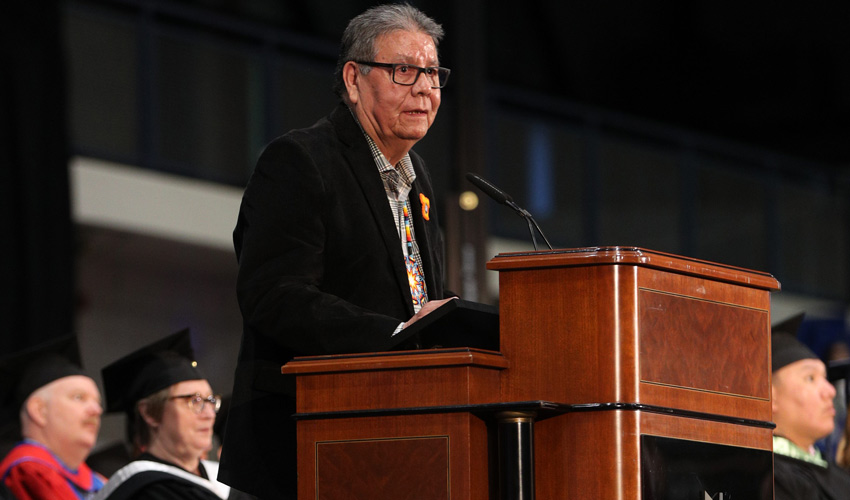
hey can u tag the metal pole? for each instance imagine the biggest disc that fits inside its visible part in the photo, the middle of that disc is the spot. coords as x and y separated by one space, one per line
516 455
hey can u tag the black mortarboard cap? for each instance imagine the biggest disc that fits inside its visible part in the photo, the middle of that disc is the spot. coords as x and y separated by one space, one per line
25 371
22 372
785 348
149 369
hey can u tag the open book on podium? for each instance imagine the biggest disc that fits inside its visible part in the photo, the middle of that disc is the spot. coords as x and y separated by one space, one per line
457 323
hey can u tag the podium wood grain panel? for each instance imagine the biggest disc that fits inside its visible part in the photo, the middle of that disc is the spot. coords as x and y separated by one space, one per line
396 380
575 327
411 468
392 457
703 345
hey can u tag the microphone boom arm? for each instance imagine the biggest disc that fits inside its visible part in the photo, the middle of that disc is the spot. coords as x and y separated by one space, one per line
532 224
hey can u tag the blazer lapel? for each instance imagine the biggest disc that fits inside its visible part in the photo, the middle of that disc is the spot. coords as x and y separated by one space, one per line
362 165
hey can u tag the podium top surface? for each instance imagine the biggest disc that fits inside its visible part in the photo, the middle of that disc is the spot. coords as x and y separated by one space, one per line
394 360
616 255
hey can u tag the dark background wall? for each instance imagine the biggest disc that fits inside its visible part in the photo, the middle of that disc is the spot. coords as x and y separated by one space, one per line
762 73
37 251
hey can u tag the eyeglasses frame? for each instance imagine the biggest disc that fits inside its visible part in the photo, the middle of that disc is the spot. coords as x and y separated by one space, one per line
214 400
420 70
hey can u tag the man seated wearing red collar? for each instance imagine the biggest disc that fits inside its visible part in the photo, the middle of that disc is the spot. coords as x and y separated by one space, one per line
59 410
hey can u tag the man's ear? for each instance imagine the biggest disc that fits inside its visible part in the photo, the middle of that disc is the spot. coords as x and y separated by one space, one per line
36 408
351 77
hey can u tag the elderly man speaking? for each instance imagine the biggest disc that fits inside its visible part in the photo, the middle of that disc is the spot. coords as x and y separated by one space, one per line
337 237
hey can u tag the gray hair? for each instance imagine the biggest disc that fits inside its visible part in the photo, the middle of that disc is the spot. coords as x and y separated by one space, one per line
358 39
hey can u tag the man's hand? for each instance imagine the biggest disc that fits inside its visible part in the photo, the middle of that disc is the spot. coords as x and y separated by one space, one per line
427 308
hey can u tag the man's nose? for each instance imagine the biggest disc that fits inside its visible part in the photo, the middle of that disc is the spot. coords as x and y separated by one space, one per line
829 390
208 410
422 85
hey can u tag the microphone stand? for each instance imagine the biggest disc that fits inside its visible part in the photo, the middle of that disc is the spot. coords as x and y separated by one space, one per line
505 199
532 224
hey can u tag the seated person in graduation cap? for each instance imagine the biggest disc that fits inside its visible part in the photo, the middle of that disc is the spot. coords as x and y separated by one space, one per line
58 408
802 400
171 411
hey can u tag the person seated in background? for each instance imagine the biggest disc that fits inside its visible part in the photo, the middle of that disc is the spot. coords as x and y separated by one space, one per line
802 401
58 408
171 410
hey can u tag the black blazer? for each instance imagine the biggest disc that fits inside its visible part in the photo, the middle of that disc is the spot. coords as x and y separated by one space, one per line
321 271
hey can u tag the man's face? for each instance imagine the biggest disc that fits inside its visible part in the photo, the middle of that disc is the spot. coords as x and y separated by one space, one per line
73 412
802 402
396 116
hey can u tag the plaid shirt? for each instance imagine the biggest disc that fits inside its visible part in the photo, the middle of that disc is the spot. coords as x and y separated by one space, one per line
398 182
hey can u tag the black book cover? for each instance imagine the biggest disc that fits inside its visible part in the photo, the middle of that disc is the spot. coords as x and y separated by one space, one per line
457 323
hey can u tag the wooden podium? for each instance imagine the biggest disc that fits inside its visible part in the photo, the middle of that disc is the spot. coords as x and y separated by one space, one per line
622 373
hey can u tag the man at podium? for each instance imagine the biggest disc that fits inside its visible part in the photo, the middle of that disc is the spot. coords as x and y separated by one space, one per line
337 237
803 412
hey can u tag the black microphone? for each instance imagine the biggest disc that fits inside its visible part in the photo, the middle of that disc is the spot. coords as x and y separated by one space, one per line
505 199
491 190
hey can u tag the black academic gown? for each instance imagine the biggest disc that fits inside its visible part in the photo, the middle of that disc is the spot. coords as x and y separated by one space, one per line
164 485
800 480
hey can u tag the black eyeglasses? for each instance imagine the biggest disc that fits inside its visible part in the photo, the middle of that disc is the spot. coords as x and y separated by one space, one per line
197 402
407 74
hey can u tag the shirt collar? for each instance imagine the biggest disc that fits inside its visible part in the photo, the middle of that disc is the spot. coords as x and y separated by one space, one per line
783 446
404 167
